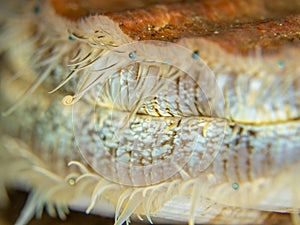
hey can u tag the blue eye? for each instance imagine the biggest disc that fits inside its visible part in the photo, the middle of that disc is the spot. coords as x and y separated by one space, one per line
235 186
72 39
195 55
281 64
131 55
37 9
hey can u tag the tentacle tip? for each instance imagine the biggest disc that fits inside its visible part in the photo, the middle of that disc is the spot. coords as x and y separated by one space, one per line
68 100
71 163
8 112
88 211
52 91
149 219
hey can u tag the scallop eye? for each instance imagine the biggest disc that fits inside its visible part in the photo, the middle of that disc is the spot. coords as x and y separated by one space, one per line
140 119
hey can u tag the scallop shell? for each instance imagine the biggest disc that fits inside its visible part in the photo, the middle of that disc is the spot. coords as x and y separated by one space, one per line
114 122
